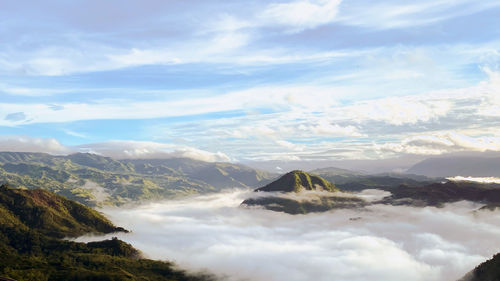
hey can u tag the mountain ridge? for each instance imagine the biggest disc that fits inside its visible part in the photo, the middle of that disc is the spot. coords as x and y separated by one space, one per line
84 177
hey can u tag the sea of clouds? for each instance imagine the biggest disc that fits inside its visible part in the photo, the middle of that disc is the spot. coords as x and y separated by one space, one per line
379 242
475 179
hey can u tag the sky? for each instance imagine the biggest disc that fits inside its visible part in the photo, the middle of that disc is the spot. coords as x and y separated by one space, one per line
308 80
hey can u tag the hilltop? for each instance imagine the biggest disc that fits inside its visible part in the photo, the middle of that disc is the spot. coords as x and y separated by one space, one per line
292 194
297 181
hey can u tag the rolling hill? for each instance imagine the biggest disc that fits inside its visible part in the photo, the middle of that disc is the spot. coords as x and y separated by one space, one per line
96 180
32 225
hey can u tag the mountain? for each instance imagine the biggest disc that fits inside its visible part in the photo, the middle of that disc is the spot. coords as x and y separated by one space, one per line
416 190
487 271
32 225
294 196
348 180
405 190
472 166
297 181
437 194
50 214
96 180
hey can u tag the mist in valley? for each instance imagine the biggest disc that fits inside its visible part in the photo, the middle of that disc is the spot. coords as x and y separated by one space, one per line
378 242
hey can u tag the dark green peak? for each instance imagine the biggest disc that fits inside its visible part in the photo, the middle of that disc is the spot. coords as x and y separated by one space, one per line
296 181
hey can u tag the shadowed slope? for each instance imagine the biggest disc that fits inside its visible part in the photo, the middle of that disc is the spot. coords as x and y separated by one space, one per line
32 223
487 271
50 214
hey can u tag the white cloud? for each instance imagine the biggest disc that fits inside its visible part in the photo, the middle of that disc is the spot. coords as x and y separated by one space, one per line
303 113
29 144
476 179
387 243
303 98
290 145
201 155
281 157
136 57
490 105
400 110
150 150
398 14
114 149
441 143
301 14
325 128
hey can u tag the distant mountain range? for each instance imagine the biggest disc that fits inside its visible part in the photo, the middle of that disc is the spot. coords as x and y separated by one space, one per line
95 180
450 166
356 181
410 190
439 193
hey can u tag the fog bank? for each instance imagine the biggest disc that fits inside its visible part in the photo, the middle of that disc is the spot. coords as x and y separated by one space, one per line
377 243
476 179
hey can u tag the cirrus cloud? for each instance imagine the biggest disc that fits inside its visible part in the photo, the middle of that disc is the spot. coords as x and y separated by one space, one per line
302 14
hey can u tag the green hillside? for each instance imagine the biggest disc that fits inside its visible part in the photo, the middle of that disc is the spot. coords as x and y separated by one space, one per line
32 223
297 181
49 214
96 180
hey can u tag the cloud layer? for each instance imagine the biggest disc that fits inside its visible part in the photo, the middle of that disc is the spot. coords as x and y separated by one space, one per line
380 243
114 149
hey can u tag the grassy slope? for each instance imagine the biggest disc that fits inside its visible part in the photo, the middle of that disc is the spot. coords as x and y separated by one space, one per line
75 176
297 181
32 223
50 214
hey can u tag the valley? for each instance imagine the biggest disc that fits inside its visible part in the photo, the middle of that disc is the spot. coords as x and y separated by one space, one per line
225 197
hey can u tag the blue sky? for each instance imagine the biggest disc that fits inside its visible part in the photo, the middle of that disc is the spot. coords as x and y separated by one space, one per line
250 80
